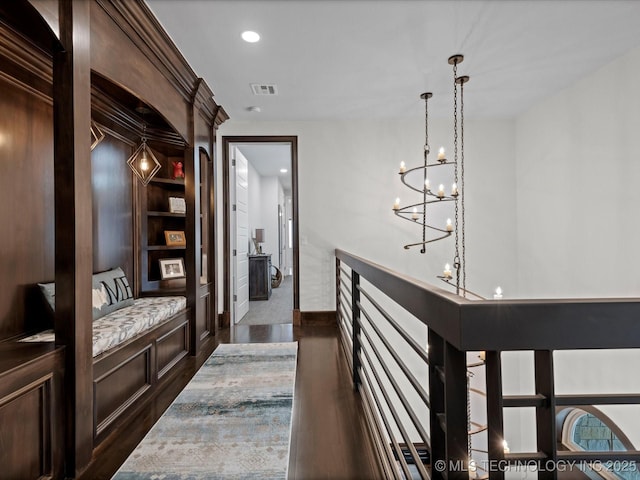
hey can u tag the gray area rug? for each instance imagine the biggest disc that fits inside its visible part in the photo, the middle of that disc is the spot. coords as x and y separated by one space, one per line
232 420
278 309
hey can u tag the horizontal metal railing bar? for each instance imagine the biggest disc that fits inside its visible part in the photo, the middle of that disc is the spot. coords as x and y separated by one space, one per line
347 346
348 337
347 321
419 349
347 307
373 420
519 401
347 327
346 286
349 362
502 325
405 403
345 273
520 457
412 379
396 419
376 403
348 330
345 314
538 400
597 399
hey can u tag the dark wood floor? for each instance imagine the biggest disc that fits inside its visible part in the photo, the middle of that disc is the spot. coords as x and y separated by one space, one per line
329 438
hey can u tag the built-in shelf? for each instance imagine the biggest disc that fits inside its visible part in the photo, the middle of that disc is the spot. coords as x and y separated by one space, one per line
167 181
165 214
157 219
164 247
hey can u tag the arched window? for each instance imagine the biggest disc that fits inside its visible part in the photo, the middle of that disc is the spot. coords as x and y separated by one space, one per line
589 429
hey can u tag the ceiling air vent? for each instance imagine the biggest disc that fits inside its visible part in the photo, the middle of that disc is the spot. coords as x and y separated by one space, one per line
264 89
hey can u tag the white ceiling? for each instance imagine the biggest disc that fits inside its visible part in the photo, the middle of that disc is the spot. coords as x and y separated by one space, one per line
348 59
268 159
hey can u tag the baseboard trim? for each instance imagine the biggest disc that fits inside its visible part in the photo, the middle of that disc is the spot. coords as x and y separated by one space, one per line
327 317
224 319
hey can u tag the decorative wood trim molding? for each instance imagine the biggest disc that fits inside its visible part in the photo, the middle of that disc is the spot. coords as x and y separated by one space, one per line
327 317
221 116
121 116
139 24
25 64
202 101
36 23
297 317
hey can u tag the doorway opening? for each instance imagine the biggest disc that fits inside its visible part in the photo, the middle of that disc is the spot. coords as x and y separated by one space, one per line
261 259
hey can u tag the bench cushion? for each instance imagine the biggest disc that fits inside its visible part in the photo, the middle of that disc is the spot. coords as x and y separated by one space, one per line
126 323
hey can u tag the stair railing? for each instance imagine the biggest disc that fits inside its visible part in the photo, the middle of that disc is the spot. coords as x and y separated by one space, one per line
407 344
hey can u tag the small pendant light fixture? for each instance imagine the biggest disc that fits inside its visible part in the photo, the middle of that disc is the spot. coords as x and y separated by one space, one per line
143 162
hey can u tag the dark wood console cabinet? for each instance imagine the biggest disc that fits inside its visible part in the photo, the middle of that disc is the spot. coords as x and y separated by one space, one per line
259 277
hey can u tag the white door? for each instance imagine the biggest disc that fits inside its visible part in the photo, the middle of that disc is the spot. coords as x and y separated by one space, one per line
241 259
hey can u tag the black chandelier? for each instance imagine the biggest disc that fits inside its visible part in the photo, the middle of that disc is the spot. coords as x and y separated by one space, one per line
418 180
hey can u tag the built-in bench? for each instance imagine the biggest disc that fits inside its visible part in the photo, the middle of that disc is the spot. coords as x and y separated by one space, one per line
134 347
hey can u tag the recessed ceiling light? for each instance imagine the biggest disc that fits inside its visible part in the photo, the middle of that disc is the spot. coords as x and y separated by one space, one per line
283 170
251 37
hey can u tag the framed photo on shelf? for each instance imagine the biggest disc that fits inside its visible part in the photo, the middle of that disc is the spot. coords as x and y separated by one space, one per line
175 238
171 268
177 205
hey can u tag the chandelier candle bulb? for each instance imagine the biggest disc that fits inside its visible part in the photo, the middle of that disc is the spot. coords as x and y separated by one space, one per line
482 356
447 271
427 187
396 205
498 294
414 215
441 191
403 167
505 445
441 156
449 225
454 190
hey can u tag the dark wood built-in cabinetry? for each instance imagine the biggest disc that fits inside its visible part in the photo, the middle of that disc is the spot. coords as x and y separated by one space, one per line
64 67
31 419
259 277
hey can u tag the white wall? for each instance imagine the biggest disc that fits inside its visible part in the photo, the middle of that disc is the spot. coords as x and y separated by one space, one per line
347 184
255 203
578 159
270 188
578 168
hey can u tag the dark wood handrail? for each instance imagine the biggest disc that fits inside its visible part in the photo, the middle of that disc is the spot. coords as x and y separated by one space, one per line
501 325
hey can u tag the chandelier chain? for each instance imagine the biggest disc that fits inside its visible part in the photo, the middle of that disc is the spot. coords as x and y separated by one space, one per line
464 262
456 259
424 180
